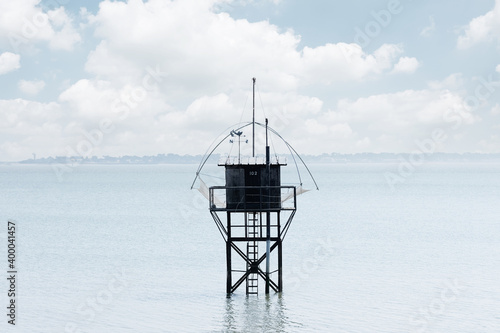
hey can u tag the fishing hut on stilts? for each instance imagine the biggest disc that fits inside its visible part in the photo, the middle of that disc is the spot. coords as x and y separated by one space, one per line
253 211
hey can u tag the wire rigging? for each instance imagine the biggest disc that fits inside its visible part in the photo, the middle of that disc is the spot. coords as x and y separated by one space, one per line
292 149
207 155
240 126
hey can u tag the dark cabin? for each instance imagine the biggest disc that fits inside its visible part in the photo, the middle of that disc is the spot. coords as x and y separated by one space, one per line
251 187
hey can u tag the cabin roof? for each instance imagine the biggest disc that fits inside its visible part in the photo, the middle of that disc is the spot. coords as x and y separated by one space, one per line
249 160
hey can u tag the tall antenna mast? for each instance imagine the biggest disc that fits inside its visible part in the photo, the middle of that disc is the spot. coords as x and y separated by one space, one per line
253 120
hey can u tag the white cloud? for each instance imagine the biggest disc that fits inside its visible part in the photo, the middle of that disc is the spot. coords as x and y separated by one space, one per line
482 28
9 62
65 35
206 60
58 128
28 127
24 23
344 62
406 65
247 2
208 51
31 87
199 49
495 110
90 99
497 69
151 126
454 81
386 122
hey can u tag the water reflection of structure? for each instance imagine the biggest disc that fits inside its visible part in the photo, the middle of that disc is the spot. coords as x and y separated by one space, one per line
254 315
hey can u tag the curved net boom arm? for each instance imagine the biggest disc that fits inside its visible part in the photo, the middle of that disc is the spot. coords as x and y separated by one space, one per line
290 148
207 155
292 151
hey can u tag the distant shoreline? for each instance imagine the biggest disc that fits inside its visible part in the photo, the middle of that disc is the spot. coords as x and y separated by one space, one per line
324 158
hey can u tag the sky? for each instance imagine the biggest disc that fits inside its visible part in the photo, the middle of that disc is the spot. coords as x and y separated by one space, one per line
98 78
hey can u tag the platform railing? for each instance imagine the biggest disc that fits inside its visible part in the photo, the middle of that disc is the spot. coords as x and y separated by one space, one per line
252 198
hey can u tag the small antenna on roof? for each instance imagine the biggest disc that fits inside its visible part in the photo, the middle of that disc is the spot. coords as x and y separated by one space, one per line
238 134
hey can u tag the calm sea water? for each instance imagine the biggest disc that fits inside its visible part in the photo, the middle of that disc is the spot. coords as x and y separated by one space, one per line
132 249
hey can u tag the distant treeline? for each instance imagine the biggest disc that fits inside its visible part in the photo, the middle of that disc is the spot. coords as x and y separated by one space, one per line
324 158
126 159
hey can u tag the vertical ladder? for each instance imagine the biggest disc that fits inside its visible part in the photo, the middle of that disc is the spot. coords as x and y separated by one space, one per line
252 231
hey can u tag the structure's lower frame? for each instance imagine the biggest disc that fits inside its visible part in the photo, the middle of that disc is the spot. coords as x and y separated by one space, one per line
245 239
